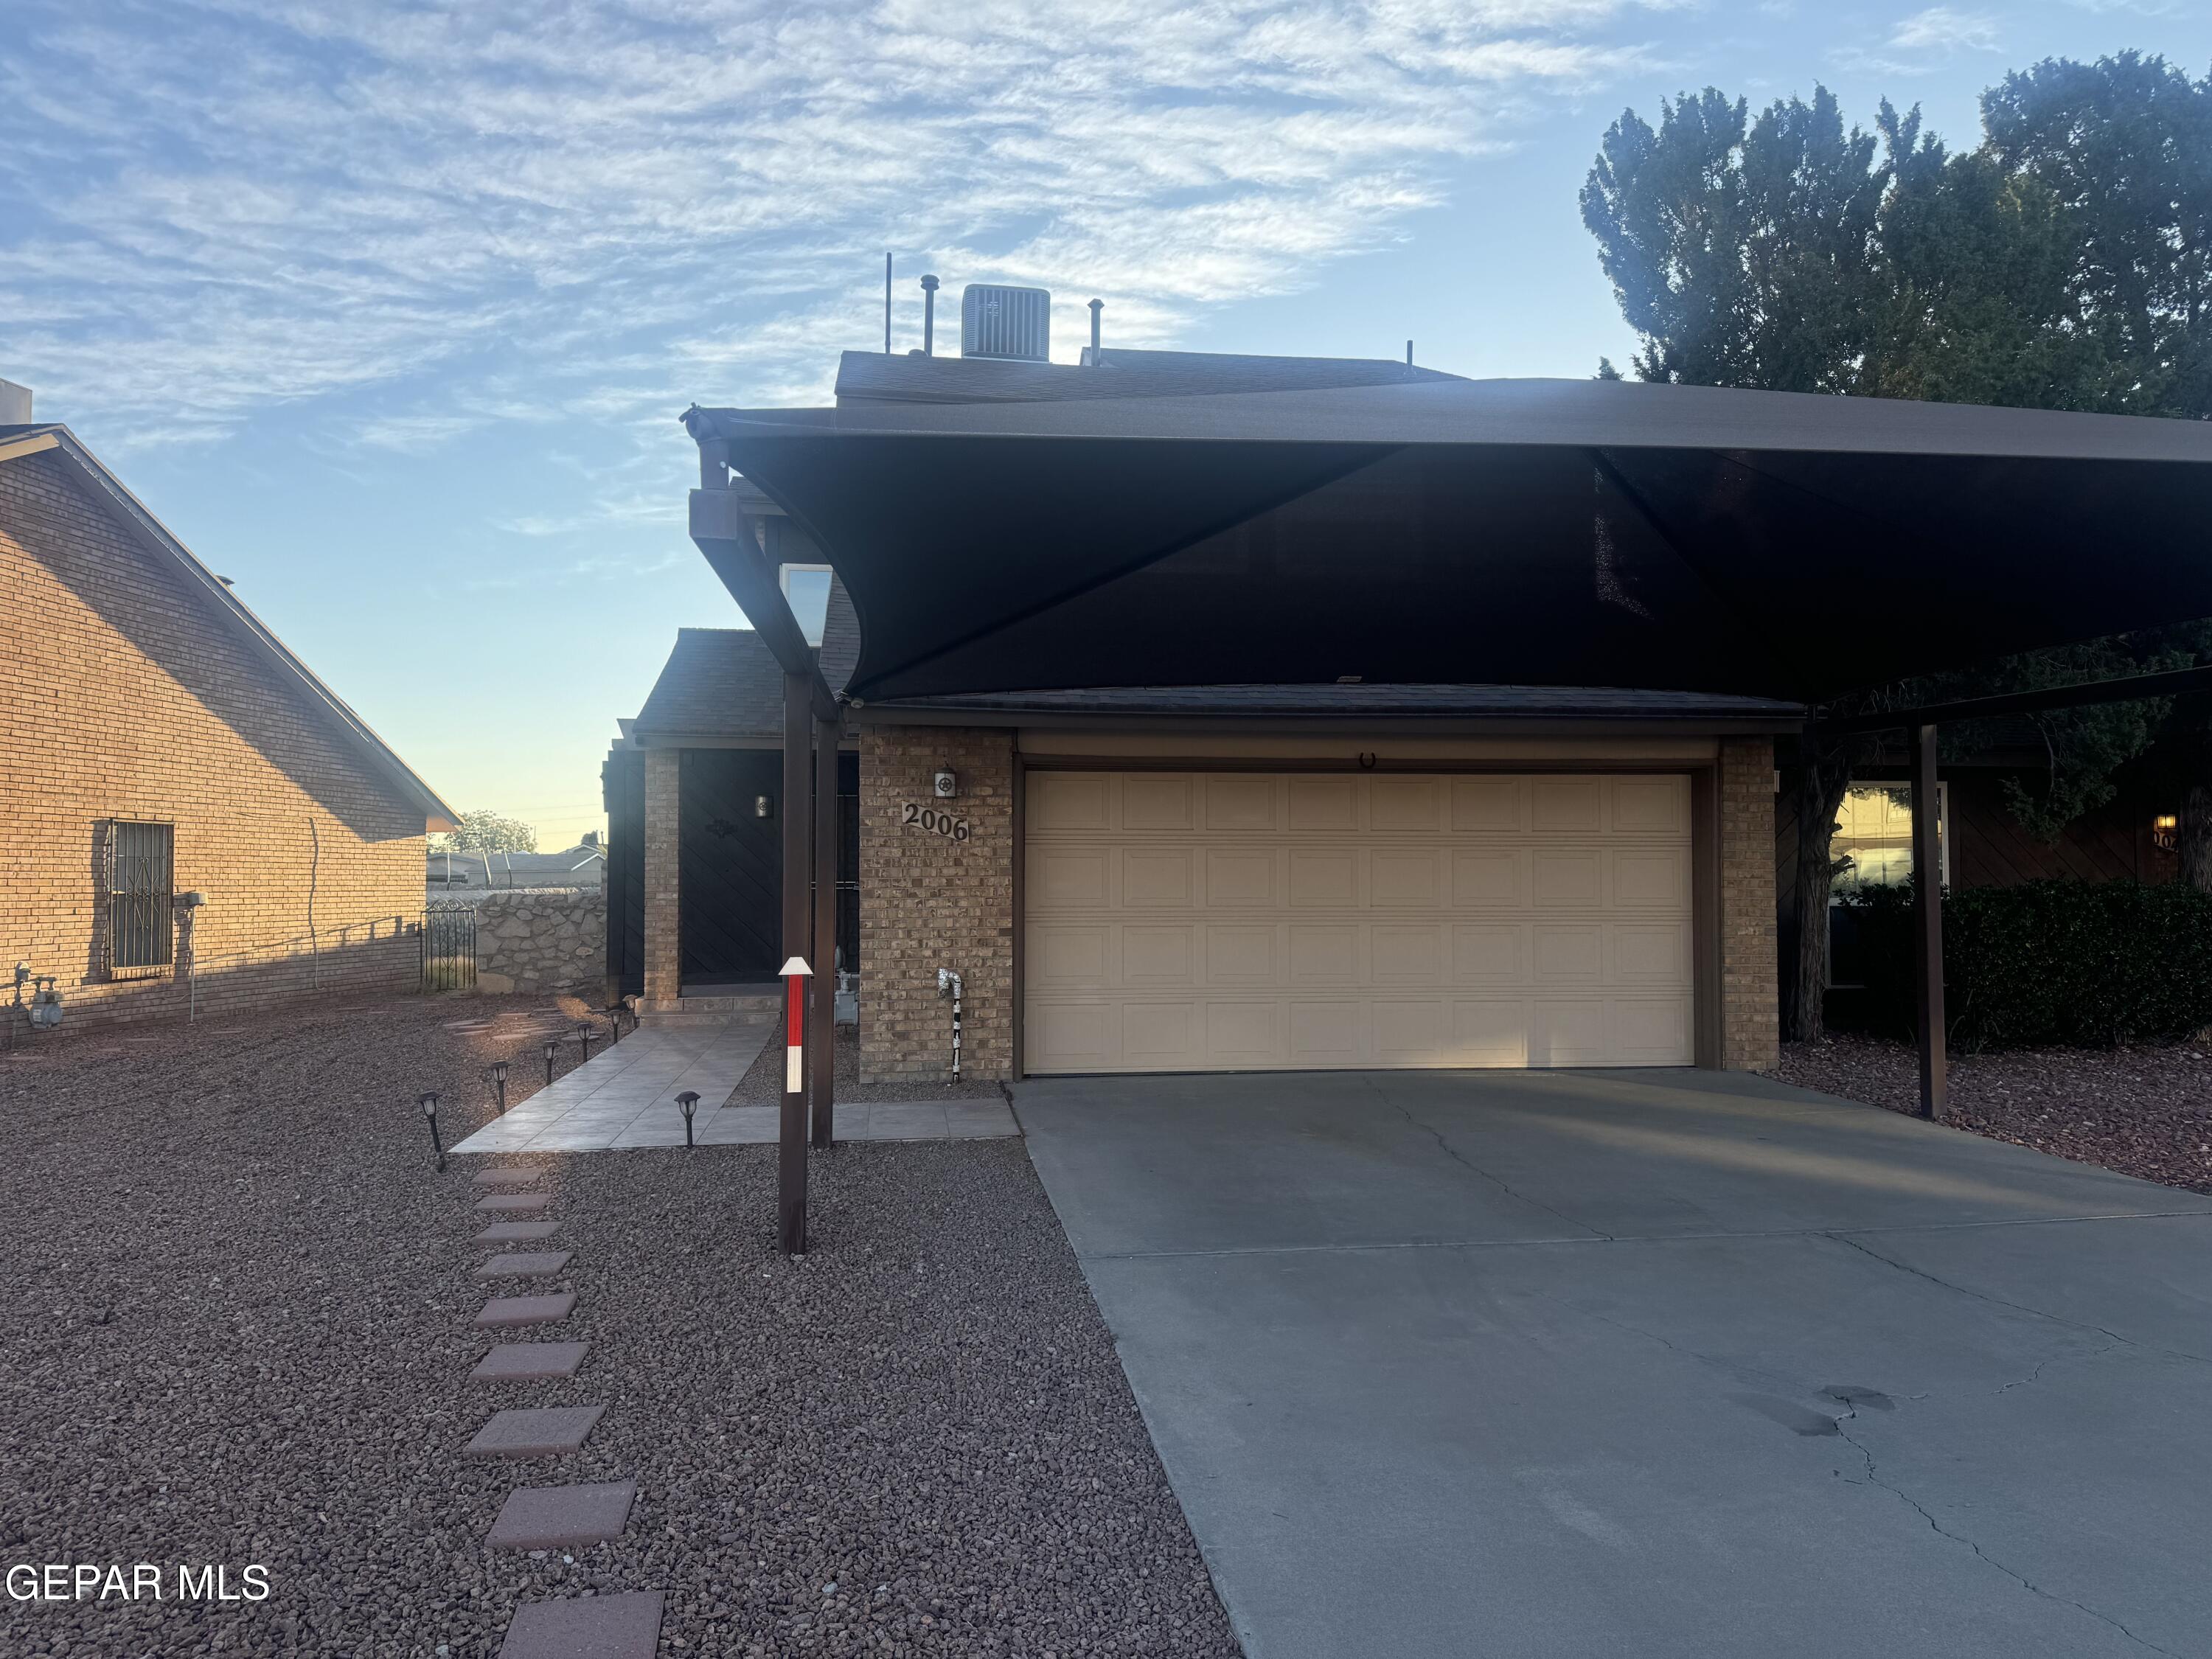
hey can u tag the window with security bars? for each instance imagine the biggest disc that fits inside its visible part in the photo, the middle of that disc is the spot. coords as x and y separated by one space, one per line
141 866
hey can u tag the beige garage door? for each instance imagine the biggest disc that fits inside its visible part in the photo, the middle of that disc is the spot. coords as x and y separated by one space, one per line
1188 923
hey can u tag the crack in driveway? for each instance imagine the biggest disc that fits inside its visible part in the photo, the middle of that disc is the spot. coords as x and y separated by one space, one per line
1465 1163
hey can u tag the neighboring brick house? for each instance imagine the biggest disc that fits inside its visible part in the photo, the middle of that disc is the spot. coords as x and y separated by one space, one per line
1238 876
195 821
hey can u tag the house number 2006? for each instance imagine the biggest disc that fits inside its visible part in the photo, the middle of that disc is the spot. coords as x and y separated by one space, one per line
936 822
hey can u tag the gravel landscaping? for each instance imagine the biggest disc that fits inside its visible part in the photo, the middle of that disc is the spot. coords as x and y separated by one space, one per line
2144 1111
238 1332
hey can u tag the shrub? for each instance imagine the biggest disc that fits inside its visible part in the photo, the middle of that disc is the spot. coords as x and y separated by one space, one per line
2085 963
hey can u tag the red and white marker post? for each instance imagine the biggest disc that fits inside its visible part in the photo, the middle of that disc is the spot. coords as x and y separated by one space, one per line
791 1125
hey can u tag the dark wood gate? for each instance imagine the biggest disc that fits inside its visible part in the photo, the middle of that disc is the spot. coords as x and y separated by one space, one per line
730 865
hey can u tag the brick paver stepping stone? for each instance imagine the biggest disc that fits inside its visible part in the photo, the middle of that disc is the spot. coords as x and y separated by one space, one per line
545 1517
505 1310
532 1264
554 1431
517 1232
529 1362
625 1627
509 1203
506 1178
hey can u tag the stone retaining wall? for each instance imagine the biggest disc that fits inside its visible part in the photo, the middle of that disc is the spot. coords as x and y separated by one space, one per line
548 940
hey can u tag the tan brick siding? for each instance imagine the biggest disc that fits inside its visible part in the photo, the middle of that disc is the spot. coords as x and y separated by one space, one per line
1750 1017
126 693
664 898
927 901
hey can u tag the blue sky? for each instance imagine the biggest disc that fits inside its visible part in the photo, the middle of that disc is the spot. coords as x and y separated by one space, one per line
388 310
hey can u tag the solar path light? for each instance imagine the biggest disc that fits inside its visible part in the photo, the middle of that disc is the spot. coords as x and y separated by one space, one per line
584 1036
498 1075
429 1105
688 1103
551 1046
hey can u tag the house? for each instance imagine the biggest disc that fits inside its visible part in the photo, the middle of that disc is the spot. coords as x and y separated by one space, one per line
463 874
708 745
195 821
1169 749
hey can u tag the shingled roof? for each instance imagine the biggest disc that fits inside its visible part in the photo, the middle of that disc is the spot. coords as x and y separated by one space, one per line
721 683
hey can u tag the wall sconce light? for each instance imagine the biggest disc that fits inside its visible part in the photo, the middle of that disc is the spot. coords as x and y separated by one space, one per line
947 785
763 806
2165 831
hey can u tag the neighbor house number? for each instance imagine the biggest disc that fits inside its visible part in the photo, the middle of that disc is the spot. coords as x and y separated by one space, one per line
936 823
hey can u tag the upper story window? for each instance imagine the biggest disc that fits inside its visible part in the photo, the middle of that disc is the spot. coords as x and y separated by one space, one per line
807 591
141 888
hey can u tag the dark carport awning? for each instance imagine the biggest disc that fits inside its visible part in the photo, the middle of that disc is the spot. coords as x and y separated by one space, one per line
1530 533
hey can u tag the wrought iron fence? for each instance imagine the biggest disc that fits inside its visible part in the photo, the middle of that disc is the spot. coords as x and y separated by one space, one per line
449 945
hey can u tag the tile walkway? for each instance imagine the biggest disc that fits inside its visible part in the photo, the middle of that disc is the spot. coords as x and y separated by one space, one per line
887 1120
625 1095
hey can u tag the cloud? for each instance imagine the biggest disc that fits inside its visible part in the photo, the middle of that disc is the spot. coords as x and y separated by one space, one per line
608 208
1940 29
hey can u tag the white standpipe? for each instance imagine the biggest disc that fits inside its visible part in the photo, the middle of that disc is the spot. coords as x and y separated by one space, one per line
949 982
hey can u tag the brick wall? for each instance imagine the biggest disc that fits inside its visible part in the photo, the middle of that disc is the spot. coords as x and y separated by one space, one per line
1750 1014
129 694
927 901
664 903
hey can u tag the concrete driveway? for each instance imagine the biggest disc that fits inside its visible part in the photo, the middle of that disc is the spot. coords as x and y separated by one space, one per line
1647 1364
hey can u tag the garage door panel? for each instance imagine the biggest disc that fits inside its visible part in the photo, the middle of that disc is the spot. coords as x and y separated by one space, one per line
1490 806
1068 877
1242 878
1069 800
1324 805
1487 952
1323 878
1069 955
1407 953
1324 953
1568 806
1064 1036
1241 955
1490 879
1405 805
1490 1032
1254 921
1410 1033
1407 877
1244 1034
1648 1032
1568 876
1157 802
1157 877
1569 951
1659 878
1159 956
1234 804
1651 952
1159 1037
1328 1033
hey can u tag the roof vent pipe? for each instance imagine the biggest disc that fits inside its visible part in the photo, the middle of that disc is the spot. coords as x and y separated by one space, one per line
1096 306
929 316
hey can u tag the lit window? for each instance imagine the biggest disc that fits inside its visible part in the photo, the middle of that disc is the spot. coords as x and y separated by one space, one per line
142 865
807 591
1874 831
